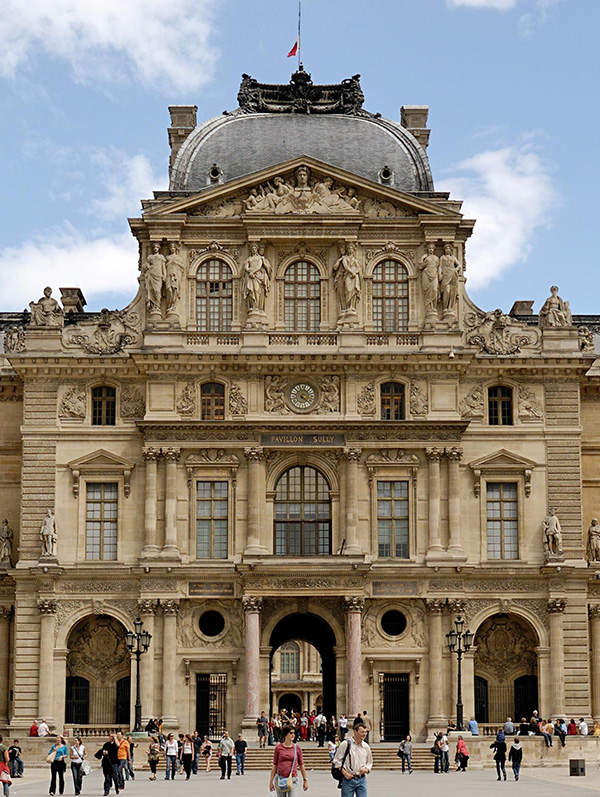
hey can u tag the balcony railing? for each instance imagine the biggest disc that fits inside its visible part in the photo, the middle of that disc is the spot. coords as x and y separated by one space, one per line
307 339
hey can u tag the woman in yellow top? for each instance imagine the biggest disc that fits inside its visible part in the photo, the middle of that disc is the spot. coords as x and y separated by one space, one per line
596 729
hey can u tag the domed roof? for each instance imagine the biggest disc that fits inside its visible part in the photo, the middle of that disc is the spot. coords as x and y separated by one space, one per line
276 123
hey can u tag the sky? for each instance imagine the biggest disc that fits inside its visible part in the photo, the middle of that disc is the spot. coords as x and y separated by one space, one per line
511 86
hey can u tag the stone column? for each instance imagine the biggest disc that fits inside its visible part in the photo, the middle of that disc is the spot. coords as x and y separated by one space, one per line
170 549
435 608
252 609
146 611
352 547
556 607
170 609
455 547
150 546
47 609
354 607
5 615
594 612
545 687
255 489
435 543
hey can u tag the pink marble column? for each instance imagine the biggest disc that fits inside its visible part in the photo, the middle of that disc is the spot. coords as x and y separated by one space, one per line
252 608
354 608
352 456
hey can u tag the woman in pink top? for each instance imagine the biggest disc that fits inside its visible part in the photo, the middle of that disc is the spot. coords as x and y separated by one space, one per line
284 764
462 755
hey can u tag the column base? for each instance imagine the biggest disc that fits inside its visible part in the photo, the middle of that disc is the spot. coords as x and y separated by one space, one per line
150 552
170 722
248 727
170 552
436 724
255 550
353 550
436 555
456 553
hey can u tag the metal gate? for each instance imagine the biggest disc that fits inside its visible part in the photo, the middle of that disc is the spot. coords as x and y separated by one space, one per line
211 704
481 699
526 696
77 700
393 705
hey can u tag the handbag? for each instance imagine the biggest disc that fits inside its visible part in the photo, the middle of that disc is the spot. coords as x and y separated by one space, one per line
5 777
50 757
286 784
85 768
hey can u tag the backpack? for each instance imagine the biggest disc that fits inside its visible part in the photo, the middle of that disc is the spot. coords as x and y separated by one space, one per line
336 772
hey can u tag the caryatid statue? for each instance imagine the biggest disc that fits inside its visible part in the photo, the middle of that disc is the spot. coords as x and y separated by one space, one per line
6 542
429 268
46 312
48 536
552 534
593 541
257 280
174 269
555 312
449 272
346 278
154 278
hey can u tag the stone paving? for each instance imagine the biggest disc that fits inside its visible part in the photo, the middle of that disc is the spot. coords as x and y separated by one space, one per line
535 782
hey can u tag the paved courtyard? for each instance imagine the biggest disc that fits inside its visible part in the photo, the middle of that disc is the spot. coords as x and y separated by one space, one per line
544 782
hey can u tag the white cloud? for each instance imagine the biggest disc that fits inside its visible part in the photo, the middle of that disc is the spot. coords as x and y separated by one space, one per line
66 258
150 41
510 193
127 180
498 5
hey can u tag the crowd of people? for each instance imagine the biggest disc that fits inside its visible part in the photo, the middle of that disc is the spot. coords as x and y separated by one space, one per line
313 726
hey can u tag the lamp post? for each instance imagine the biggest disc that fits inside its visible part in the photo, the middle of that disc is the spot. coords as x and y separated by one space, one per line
138 642
459 642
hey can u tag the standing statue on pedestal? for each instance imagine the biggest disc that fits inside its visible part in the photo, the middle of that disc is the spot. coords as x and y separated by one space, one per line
593 542
174 269
257 283
449 272
552 535
555 312
48 536
429 268
46 312
6 543
154 277
346 278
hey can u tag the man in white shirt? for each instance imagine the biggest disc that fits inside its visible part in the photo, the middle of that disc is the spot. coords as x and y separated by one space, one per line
43 729
583 727
356 764
320 723
445 747
343 726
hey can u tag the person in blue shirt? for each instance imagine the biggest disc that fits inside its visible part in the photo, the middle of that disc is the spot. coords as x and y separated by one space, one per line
58 764
473 727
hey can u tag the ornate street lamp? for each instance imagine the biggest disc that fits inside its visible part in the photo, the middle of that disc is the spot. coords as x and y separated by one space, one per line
459 642
138 642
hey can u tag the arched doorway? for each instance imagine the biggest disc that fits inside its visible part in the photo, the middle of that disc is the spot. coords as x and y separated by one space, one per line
506 672
290 702
311 628
98 673
296 669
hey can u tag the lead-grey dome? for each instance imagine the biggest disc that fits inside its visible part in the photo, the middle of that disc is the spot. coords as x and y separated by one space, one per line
240 144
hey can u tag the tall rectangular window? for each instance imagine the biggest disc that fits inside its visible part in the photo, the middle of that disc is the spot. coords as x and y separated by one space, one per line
102 506
212 513
392 519
502 520
104 406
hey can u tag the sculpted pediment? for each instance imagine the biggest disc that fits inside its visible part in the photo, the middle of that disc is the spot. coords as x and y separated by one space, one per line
502 459
303 186
101 461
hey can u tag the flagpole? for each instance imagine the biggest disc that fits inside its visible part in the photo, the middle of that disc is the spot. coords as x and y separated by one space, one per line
299 27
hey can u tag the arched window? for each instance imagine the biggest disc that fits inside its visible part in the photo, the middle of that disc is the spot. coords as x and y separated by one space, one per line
290 661
213 401
302 513
500 406
390 297
214 291
392 401
104 406
302 296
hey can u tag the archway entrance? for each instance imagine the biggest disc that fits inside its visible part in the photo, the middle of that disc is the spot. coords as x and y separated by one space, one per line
290 702
296 676
98 673
312 629
506 672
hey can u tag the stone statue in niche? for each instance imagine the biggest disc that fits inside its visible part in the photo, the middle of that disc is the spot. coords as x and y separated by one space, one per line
174 269
555 312
48 536
552 535
257 283
46 312
346 278
429 269
449 272
593 542
154 277
6 543
586 340
14 339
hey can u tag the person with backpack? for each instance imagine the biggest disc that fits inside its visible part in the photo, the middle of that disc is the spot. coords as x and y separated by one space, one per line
499 747
405 753
287 760
352 762
515 756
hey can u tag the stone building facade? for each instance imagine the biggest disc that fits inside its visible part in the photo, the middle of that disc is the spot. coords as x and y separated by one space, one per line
301 428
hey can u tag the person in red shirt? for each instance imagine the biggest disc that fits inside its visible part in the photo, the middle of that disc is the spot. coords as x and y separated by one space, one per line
33 731
287 760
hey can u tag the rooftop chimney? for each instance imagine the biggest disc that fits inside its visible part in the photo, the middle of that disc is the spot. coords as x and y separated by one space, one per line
183 121
72 300
522 307
414 119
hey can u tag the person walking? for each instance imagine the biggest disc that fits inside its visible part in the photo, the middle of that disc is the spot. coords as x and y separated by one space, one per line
321 726
77 754
436 749
262 726
15 762
110 764
130 769
206 749
187 754
445 748
515 756
357 764
225 750
405 750
197 741
153 756
171 749
59 752
287 760
343 726
240 746
123 758
499 747
5 778
462 755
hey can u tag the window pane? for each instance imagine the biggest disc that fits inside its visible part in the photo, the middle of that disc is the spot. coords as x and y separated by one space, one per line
390 280
101 520
214 290
502 520
302 499
212 513
392 519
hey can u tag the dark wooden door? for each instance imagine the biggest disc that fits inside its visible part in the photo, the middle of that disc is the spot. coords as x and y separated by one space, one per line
123 701
481 699
395 708
77 700
526 696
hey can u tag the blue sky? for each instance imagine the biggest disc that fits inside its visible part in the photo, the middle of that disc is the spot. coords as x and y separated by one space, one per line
511 86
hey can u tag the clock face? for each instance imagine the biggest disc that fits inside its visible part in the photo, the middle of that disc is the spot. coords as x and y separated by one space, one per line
302 396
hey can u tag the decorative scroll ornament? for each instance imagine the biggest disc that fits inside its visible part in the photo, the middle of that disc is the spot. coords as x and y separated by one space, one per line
186 403
14 339
215 248
529 409
392 456
586 340
115 330
237 401
472 404
211 456
418 399
496 333
366 401
72 404
133 403
275 395
390 248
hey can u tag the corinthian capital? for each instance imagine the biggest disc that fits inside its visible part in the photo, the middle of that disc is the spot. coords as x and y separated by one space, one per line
352 454
255 454
435 605
172 454
556 605
47 607
433 454
594 611
5 612
151 454
252 604
170 607
354 603
454 454
147 606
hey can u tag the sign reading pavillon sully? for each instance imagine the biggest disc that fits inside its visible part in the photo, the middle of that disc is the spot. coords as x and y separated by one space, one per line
300 431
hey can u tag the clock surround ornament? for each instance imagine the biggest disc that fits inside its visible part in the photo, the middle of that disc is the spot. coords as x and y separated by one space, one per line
302 396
